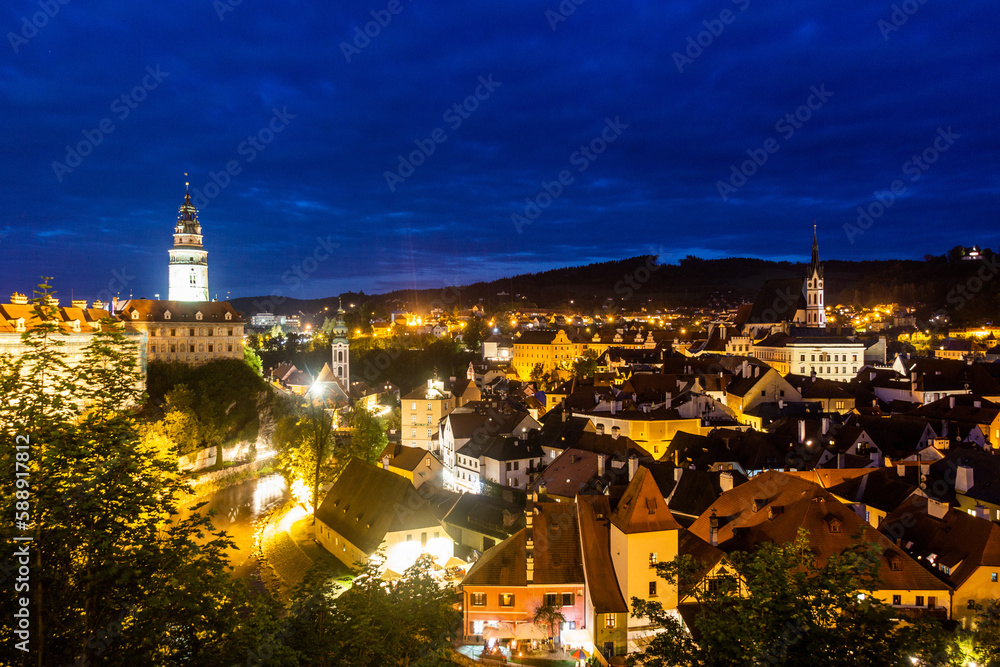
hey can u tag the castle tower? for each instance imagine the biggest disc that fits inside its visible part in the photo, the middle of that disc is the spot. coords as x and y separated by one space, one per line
188 277
815 308
341 349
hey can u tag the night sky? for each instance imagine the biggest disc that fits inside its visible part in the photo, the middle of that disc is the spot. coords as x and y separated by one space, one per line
666 99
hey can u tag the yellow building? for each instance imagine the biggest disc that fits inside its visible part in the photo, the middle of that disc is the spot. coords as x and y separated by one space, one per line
552 348
962 548
192 332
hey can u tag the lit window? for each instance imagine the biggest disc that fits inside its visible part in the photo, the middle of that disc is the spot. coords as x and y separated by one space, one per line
478 599
652 589
506 599
609 620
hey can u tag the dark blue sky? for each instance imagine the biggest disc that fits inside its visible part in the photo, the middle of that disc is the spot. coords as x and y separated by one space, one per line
687 115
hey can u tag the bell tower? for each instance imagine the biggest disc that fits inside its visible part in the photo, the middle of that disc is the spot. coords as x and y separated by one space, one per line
188 272
341 349
815 308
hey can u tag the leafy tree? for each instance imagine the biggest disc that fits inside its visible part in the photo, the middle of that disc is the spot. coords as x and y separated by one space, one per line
474 333
306 445
115 576
368 438
409 621
252 359
987 633
550 617
585 365
777 605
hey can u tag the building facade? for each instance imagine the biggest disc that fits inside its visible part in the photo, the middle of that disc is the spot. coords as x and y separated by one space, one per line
187 332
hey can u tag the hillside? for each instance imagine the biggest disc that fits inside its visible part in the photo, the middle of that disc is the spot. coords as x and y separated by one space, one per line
957 286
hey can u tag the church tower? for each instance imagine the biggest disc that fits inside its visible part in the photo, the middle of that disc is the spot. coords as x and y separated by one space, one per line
341 349
188 258
815 308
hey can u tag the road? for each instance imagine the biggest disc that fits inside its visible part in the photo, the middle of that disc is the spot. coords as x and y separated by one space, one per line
238 509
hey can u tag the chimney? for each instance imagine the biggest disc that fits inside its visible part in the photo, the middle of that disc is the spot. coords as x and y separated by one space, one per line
936 508
900 470
615 430
756 371
802 431
726 481
951 402
713 530
826 425
565 414
964 479
600 465
944 425
977 404
781 404
981 512
633 466
841 461
669 400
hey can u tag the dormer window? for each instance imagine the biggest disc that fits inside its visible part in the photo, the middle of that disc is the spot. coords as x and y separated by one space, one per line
229 316
20 324
76 325
166 314
135 314
198 315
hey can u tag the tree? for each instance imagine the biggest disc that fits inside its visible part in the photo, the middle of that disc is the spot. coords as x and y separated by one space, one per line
550 617
115 576
474 333
368 438
778 605
252 359
585 365
409 621
987 633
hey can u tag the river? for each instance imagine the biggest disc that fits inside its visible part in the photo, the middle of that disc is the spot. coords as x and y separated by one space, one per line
238 509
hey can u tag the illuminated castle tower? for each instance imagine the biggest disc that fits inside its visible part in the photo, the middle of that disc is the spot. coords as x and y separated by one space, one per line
815 310
188 258
341 349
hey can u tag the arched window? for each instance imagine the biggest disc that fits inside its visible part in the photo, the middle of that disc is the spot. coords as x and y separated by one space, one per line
192 277
340 356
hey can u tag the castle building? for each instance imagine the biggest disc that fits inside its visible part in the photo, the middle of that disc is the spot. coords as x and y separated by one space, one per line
191 333
188 274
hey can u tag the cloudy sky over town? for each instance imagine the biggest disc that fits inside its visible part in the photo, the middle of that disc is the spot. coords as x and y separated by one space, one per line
388 144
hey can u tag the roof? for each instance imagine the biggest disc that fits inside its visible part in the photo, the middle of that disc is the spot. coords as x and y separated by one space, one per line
595 540
773 506
568 474
150 310
957 540
557 555
643 509
484 514
882 489
367 501
406 458
777 301
509 448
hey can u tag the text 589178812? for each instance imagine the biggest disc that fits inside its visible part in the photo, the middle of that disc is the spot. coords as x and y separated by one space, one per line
22 553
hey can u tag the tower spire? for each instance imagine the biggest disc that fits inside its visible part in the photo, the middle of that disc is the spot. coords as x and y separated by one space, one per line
815 255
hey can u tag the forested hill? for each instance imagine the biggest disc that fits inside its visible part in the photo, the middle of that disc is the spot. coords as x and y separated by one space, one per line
935 283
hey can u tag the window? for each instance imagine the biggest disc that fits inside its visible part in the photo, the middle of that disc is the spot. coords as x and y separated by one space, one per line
191 348
802 357
993 577
413 406
173 332
423 540
430 406
812 357
190 332
552 600
478 599
429 434
609 620
230 331
506 599
413 419
516 464
919 601
763 392
652 589
508 466
210 347
230 347
409 538
567 599
652 559
173 348
428 420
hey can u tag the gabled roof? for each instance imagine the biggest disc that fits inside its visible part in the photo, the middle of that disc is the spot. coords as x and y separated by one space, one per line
643 509
150 310
958 541
595 540
557 555
367 501
882 489
773 506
